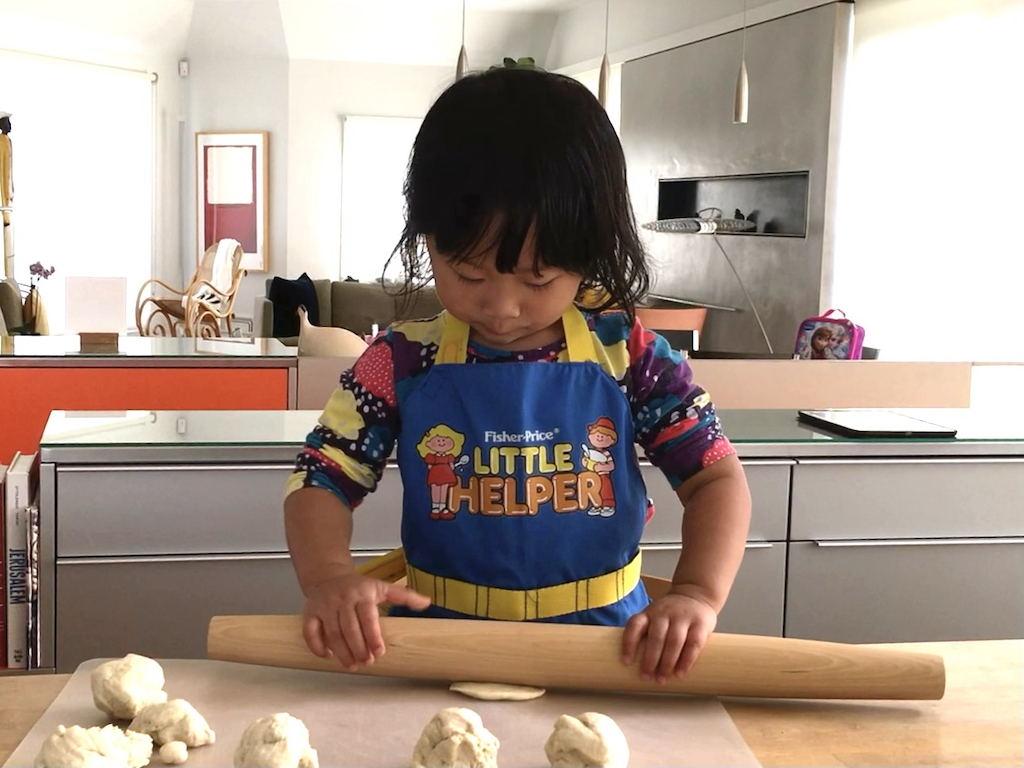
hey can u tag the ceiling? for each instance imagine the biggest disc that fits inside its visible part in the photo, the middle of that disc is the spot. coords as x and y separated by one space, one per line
422 32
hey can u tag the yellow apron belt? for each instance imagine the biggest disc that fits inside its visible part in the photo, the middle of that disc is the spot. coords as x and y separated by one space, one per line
525 604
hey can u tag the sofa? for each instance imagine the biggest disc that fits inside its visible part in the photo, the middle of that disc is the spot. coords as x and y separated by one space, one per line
352 305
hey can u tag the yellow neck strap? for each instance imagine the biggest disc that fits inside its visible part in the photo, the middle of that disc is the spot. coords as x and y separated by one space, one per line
578 339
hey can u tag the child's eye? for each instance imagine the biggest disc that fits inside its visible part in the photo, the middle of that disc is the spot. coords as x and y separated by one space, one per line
540 286
470 280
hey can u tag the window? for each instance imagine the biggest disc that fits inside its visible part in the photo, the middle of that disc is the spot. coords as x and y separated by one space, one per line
375 154
83 174
929 199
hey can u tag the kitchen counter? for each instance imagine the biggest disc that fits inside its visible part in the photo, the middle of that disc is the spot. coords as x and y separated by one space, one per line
979 722
243 435
41 373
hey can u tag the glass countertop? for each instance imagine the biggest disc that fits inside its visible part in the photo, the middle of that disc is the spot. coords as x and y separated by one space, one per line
143 347
289 428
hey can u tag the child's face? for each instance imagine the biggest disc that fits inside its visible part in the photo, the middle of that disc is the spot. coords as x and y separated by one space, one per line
601 440
516 311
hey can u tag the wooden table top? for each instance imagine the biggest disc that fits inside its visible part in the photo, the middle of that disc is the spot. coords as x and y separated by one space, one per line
979 722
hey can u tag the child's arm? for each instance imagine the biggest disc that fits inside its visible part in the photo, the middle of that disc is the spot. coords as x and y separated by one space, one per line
343 460
715 523
676 425
341 616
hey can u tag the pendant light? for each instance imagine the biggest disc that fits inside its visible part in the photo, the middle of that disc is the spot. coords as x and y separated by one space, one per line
463 65
602 81
739 108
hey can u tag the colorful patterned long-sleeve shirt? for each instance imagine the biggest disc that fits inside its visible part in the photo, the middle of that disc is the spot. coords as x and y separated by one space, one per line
674 420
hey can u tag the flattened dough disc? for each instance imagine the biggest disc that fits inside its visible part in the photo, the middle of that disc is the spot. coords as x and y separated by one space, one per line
497 691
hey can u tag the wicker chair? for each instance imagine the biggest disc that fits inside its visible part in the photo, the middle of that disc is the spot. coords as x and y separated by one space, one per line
205 307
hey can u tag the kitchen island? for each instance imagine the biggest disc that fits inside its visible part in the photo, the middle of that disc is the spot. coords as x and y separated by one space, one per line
979 721
860 541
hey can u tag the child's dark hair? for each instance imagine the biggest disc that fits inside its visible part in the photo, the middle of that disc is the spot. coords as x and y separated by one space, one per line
515 148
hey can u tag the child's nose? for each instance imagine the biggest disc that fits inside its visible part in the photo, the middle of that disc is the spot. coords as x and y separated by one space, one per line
501 305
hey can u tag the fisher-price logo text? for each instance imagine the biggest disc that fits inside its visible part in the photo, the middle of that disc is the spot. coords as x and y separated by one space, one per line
529 436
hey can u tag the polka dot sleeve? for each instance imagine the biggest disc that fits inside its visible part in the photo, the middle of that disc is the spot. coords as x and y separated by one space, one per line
347 451
674 419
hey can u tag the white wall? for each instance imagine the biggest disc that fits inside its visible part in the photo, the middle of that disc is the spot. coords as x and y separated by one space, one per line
238 81
319 93
930 203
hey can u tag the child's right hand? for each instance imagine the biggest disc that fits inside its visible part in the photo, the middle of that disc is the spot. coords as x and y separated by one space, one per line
341 618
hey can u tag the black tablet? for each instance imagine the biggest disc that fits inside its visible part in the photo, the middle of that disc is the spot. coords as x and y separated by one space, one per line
873 423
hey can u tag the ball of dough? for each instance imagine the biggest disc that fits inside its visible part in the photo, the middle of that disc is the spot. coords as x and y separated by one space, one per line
592 740
456 738
174 720
497 691
106 747
277 741
123 687
174 752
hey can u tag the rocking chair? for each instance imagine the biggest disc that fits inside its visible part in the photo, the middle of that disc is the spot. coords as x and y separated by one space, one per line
204 306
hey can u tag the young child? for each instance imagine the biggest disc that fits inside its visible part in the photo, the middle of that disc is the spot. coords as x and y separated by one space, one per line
517 205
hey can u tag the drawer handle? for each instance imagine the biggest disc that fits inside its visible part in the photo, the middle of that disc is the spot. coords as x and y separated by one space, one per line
915 542
128 559
677 547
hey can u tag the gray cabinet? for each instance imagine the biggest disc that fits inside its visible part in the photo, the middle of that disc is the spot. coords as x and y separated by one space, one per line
769 489
161 606
907 498
755 605
906 590
906 549
853 541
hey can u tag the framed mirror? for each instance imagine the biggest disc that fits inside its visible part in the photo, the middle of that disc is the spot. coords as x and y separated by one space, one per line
231 194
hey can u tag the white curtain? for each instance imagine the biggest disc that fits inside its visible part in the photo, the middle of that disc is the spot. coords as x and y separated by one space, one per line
930 201
375 154
83 173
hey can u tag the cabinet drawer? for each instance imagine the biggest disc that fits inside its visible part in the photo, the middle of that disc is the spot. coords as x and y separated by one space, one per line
161 607
912 498
182 510
769 490
906 590
755 604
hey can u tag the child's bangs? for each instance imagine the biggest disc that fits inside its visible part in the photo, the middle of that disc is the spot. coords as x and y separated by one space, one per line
505 225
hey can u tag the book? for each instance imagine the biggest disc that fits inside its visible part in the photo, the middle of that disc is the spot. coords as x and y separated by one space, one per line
33 585
3 578
19 489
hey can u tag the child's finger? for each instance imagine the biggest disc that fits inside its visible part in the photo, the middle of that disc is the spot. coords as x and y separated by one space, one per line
656 633
695 640
369 621
313 634
675 641
336 642
396 595
631 636
353 634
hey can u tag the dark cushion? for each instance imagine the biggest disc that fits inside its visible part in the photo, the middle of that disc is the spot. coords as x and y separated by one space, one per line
287 296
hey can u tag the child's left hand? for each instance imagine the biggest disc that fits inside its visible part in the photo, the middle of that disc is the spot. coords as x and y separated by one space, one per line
676 627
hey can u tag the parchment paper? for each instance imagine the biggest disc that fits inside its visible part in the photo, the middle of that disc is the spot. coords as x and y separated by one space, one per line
356 720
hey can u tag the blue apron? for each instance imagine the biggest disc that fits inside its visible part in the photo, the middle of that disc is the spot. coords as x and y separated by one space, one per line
523 493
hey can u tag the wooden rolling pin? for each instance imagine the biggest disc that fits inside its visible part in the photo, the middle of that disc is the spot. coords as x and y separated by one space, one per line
588 658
